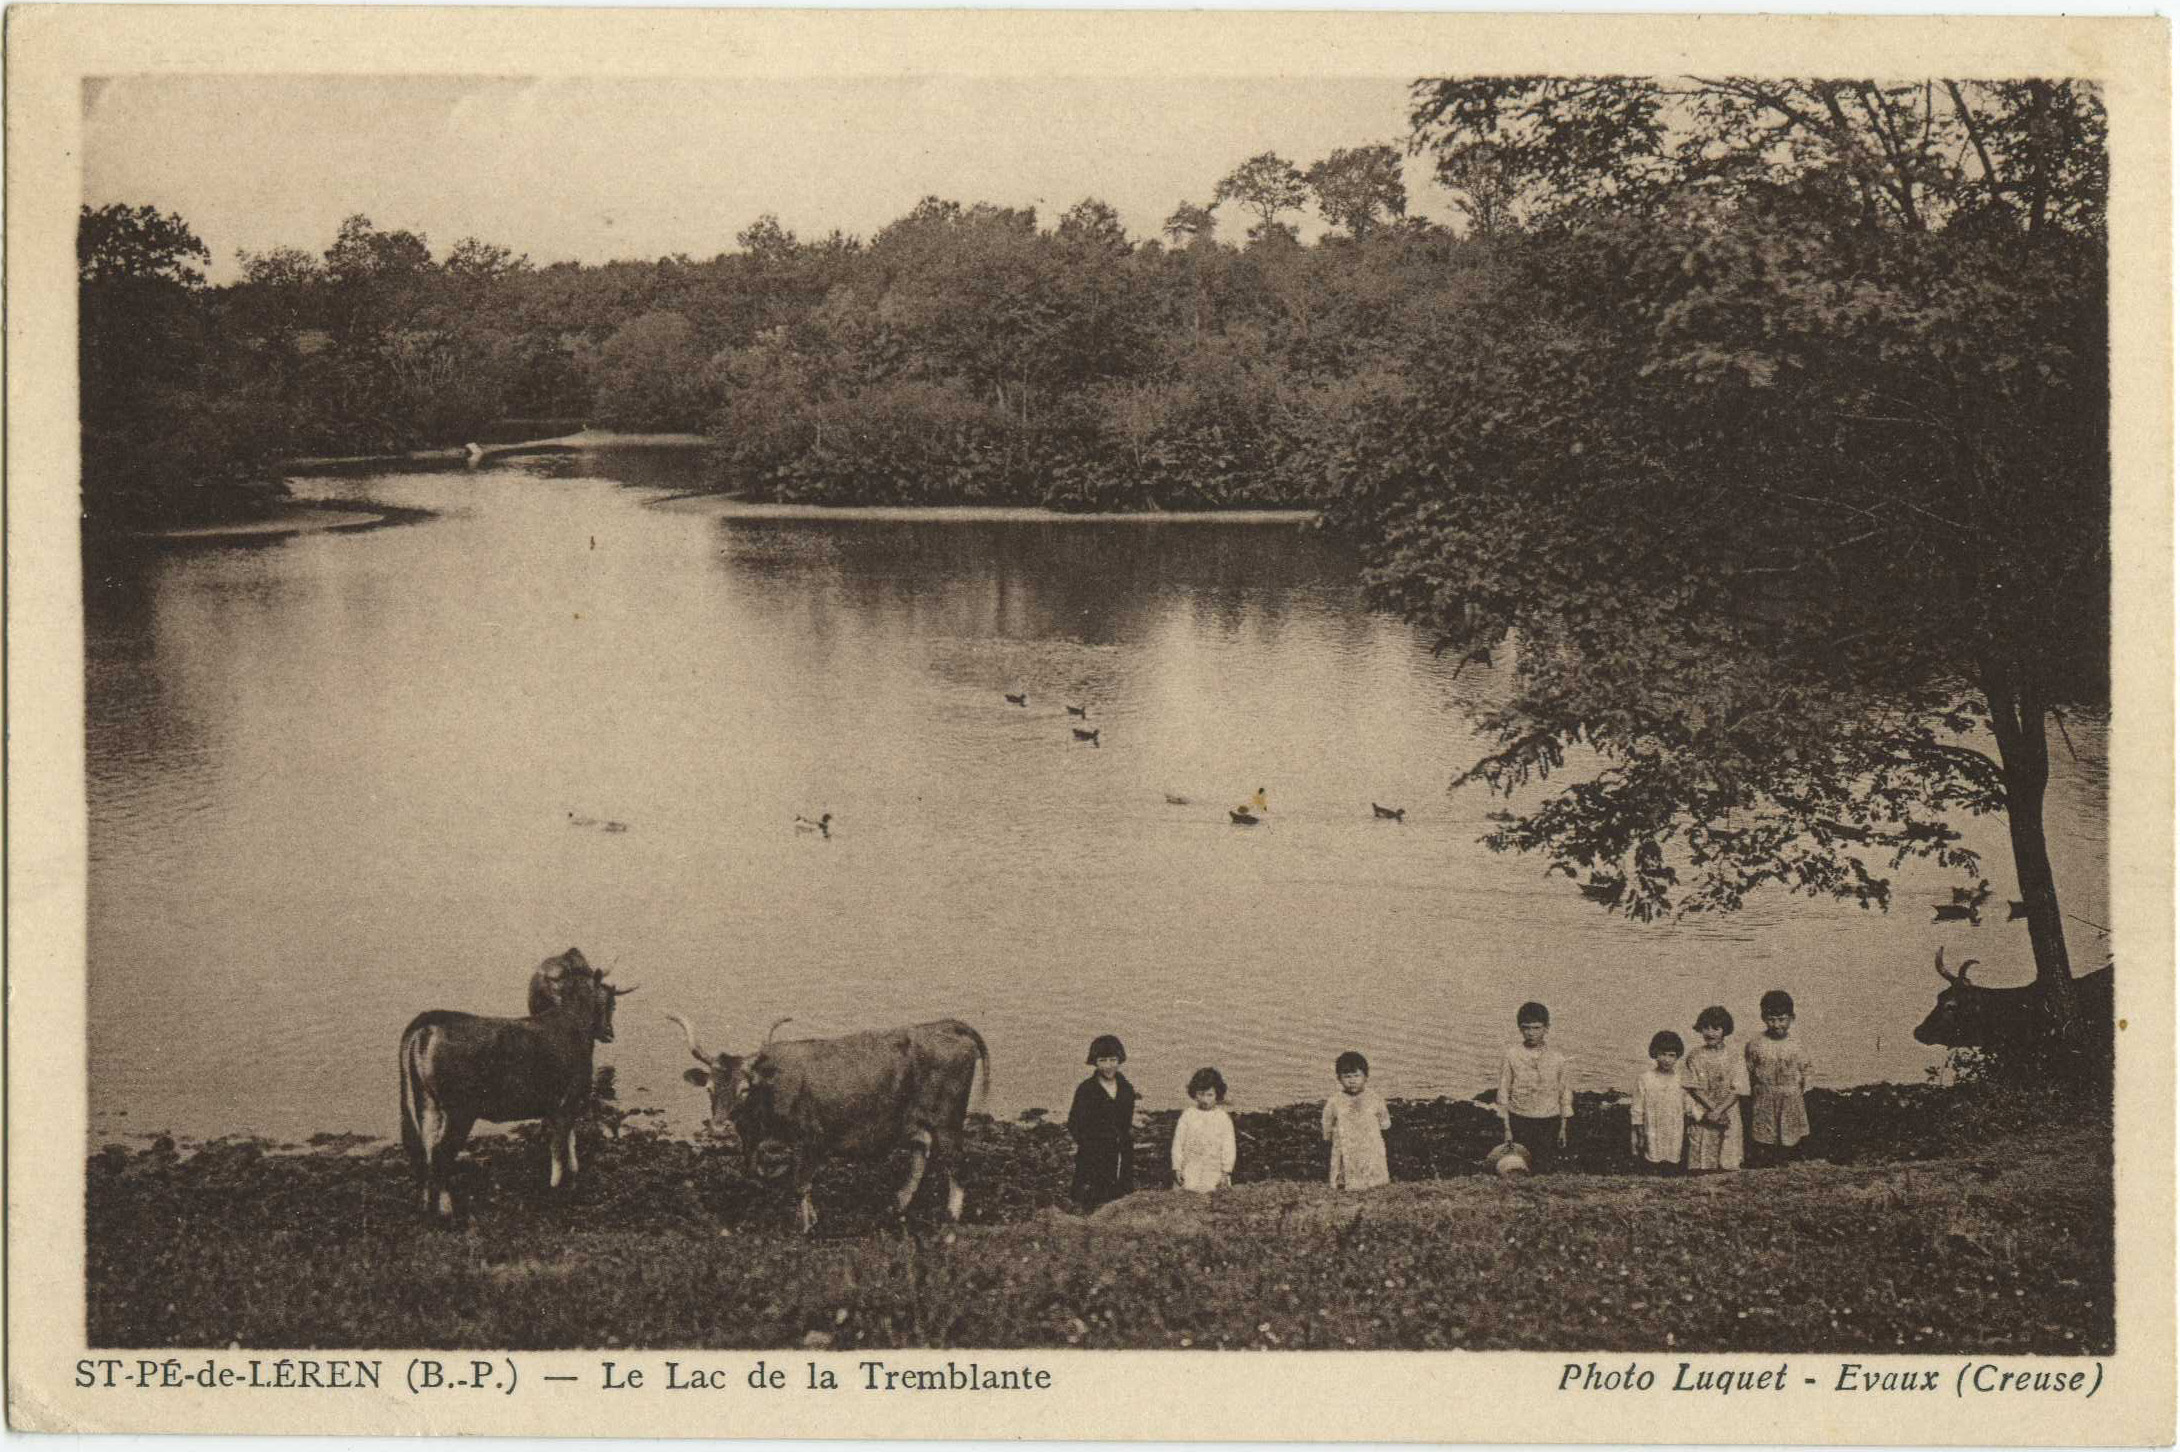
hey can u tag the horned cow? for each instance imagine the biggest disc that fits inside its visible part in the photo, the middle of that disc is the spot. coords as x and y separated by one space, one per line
458 1068
863 1094
1970 1016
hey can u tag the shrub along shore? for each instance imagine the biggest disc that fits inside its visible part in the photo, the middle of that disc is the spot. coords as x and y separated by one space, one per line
1961 1219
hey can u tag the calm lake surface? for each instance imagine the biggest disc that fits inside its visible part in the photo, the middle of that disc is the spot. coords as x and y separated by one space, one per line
333 781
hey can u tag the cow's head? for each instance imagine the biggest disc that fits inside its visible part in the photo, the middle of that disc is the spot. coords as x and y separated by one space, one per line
569 982
730 1079
1965 1016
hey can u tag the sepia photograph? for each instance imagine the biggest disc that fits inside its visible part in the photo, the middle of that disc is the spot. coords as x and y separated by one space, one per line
911 719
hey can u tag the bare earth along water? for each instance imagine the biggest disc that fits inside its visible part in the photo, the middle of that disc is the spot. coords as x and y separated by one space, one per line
340 778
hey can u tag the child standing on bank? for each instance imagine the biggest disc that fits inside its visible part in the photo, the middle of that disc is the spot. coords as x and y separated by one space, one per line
1355 1120
1718 1079
1536 1098
1203 1137
1658 1112
1102 1120
1778 1072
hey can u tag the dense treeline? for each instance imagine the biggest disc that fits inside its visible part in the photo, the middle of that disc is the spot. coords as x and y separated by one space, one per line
962 354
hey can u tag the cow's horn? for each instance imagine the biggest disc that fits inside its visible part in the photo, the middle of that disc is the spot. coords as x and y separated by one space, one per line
622 992
701 1057
1941 968
1962 978
776 1027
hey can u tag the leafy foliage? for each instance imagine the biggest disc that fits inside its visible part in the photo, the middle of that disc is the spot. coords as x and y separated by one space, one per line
1359 188
165 435
1267 184
1800 525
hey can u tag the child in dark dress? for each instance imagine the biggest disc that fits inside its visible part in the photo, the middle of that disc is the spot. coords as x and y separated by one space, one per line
1103 1123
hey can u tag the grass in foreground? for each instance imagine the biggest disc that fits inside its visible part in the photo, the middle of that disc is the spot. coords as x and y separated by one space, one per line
2004 1248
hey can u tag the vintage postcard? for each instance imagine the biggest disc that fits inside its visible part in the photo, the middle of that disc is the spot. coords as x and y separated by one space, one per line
1188 726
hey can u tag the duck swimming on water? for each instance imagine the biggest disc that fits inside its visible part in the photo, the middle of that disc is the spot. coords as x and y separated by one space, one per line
1014 700
823 826
1967 905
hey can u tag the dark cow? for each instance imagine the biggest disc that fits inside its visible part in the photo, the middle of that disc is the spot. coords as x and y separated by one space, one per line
458 1068
865 1095
1967 1016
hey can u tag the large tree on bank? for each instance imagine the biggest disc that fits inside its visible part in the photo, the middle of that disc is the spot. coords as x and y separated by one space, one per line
166 436
1779 439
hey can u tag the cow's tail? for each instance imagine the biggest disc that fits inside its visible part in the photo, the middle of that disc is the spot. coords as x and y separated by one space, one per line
984 1058
412 1097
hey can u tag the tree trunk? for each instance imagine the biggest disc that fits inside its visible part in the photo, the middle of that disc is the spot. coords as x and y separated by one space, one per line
2017 719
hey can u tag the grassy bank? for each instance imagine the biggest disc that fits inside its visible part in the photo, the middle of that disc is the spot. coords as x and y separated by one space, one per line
1950 1219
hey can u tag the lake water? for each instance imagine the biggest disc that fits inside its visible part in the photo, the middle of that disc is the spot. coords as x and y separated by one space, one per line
333 781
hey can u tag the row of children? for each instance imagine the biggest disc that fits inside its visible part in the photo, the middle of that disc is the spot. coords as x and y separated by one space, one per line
1685 1114
1103 1115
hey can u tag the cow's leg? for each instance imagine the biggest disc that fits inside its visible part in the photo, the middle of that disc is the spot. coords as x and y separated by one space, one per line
805 1173
431 1127
431 1130
445 1149
559 1146
919 1154
946 1153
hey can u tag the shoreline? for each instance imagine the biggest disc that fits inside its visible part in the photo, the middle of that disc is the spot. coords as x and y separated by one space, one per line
288 519
574 443
725 506
1870 1124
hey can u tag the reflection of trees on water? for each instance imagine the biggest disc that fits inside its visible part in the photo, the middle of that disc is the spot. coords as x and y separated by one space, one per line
1088 584
140 737
661 467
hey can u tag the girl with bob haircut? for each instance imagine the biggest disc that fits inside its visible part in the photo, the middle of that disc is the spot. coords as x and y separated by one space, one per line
1779 1075
1718 1080
1203 1137
1102 1120
1658 1109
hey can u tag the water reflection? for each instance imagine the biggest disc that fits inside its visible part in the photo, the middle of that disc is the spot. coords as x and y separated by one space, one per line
332 783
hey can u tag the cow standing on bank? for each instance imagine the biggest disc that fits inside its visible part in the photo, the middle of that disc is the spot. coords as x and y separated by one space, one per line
458 1068
864 1094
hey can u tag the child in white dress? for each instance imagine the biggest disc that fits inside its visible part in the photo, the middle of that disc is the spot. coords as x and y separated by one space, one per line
1355 1120
1658 1113
1203 1137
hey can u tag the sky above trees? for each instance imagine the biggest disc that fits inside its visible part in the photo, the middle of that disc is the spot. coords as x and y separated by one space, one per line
595 170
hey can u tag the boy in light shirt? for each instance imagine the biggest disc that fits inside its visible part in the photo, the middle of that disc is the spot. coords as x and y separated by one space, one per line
1536 1097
